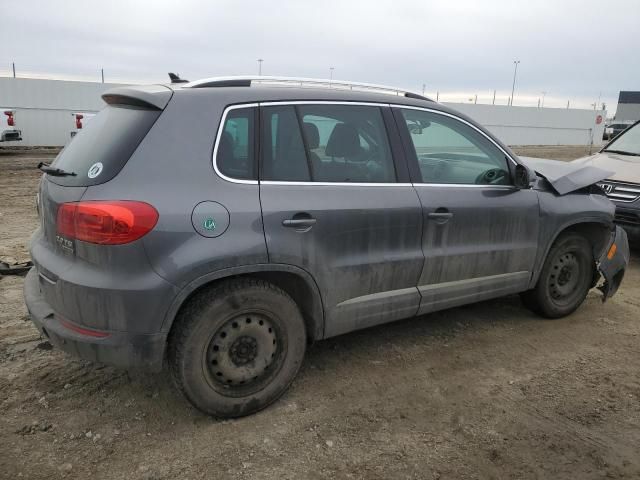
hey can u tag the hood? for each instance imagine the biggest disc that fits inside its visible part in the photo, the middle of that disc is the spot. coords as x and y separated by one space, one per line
625 168
566 177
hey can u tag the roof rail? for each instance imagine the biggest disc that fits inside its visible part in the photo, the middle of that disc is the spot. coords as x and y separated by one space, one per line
246 81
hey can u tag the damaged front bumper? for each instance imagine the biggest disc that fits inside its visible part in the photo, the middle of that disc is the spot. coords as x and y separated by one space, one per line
613 263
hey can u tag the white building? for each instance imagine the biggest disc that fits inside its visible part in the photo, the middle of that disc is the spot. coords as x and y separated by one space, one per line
45 113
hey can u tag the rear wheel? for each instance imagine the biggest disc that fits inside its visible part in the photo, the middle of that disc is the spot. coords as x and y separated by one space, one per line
565 280
236 347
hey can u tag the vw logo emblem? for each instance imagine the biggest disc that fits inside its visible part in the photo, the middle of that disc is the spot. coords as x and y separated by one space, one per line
95 170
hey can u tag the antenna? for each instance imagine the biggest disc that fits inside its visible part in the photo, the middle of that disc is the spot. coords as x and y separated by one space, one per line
175 78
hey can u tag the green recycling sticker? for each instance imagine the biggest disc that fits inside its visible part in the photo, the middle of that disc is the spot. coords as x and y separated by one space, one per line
209 224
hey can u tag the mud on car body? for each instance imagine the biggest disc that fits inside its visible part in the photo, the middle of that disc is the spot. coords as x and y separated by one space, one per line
280 215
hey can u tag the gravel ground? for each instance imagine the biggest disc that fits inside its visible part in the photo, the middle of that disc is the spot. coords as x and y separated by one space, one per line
484 391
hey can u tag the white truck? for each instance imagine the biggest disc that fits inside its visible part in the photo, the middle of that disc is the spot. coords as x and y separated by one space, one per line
8 130
80 119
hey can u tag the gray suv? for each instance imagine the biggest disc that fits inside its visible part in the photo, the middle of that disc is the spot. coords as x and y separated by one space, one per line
219 226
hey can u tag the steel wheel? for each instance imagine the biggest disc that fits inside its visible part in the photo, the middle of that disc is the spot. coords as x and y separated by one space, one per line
242 354
565 277
237 346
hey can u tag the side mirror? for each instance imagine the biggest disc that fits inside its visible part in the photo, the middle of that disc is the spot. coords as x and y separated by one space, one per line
524 177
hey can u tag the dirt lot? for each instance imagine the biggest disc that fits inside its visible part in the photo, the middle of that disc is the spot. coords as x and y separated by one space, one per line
484 391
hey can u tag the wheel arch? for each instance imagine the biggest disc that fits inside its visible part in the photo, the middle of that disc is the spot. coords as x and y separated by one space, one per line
596 231
296 282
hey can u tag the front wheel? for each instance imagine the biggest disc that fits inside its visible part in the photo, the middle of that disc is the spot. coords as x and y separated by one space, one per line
565 280
236 347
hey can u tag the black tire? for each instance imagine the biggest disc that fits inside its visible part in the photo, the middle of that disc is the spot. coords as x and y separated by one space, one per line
236 347
565 279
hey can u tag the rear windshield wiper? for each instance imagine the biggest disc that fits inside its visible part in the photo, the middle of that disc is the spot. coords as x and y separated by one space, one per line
622 152
56 172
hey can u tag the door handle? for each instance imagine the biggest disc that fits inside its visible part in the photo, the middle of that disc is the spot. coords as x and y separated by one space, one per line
440 216
299 222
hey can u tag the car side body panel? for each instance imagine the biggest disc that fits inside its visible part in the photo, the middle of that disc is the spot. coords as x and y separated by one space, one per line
363 252
485 250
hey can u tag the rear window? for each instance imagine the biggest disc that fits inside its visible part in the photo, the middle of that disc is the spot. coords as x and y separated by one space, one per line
100 150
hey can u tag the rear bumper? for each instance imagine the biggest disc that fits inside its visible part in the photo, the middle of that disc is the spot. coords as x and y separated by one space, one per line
120 349
613 262
10 136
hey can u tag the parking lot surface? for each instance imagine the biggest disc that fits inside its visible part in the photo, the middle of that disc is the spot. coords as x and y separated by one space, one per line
484 391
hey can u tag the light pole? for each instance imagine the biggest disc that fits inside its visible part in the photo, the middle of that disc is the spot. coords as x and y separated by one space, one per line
330 75
513 86
544 94
260 67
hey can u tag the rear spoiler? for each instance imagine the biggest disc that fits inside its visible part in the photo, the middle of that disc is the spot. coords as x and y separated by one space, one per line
154 97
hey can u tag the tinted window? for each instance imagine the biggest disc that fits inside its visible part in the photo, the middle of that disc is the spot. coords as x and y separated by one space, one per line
347 143
235 153
284 157
449 151
110 138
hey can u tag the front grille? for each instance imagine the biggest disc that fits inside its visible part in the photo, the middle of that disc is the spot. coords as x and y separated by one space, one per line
627 217
621 192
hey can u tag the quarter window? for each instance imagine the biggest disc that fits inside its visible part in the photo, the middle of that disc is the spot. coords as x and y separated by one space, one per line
449 151
235 153
326 143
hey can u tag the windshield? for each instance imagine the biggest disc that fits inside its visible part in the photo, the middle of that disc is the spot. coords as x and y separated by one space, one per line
627 142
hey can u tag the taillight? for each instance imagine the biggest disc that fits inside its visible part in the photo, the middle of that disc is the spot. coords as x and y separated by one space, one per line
10 120
79 121
106 222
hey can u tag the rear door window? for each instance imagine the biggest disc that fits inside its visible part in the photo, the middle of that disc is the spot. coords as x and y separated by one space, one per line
100 150
347 143
326 143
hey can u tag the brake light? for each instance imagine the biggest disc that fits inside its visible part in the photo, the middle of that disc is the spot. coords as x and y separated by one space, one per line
106 222
79 118
10 120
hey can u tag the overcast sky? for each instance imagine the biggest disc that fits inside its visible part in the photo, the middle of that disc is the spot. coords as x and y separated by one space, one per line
574 50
